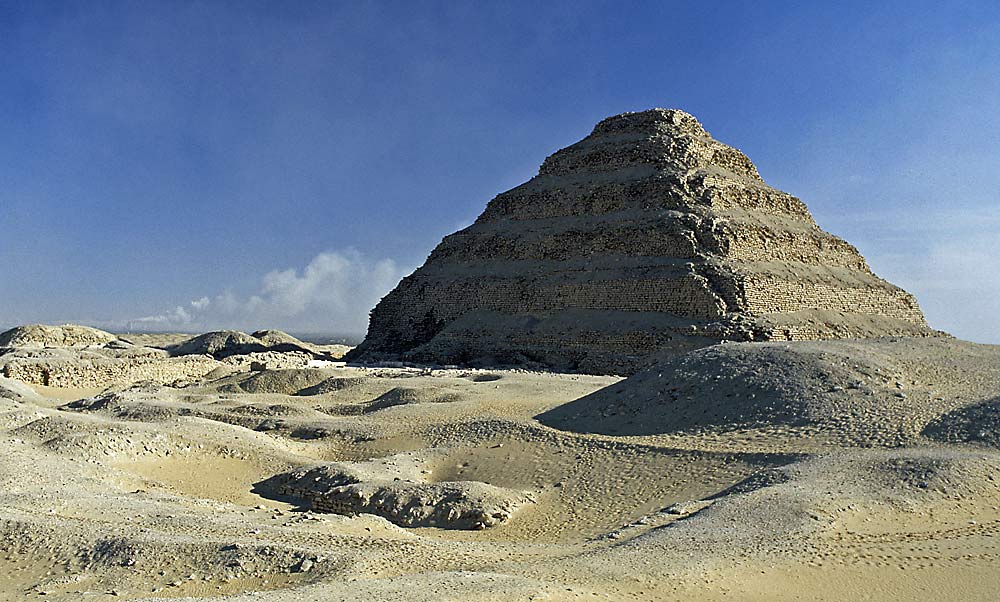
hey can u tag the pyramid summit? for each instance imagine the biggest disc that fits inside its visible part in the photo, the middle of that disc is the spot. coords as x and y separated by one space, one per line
646 236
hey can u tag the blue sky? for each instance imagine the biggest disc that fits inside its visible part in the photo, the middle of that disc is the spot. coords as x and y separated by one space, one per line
252 164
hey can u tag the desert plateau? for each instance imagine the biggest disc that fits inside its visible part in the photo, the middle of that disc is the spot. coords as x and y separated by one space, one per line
643 374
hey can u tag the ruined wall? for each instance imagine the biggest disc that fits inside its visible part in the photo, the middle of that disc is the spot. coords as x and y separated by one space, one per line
687 295
560 241
775 295
103 373
747 241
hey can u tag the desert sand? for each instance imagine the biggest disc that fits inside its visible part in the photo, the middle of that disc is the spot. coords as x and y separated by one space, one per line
828 470
642 375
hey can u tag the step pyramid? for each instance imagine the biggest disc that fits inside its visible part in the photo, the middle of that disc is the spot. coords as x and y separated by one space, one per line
646 236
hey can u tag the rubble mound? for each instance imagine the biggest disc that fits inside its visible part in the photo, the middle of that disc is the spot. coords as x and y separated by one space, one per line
270 360
68 335
398 396
978 424
264 346
282 382
450 505
335 384
79 356
275 338
872 393
99 370
647 235
219 344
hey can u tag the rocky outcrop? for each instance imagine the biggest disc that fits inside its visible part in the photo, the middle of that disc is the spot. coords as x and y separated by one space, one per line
339 489
647 235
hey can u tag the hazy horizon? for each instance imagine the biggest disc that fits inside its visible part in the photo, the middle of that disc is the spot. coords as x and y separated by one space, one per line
204 166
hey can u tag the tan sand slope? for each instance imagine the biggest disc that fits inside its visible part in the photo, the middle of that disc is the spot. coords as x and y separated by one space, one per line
151 491
873 392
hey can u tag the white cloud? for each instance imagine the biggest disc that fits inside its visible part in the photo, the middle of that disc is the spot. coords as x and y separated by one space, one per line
332 294
947 258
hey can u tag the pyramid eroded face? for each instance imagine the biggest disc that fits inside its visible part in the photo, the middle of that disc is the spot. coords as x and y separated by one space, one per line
647 235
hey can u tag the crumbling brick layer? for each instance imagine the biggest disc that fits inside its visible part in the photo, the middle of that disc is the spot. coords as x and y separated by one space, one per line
647 216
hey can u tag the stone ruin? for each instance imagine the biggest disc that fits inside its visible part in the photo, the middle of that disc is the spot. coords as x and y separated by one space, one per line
647 235
67 335
79 356
408 500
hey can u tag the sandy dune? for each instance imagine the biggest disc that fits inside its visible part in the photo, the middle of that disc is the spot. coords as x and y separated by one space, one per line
780 471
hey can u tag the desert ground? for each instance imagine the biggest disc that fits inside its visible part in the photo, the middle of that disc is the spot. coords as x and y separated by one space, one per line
814 470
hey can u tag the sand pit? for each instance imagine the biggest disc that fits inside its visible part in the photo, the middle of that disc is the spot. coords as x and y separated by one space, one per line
224 477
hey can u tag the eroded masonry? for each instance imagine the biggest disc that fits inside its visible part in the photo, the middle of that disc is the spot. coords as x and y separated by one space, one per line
647 235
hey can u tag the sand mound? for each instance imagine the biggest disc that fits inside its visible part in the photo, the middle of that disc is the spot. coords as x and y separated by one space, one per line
272 348
850 489
157 404
69 335
341 489
903 476
978 423
219 344
406 395
274 338
733 385
484 377
911 475
128 405
871 394
336 383
282 382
